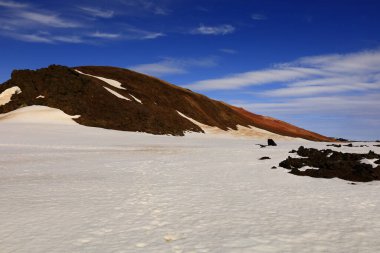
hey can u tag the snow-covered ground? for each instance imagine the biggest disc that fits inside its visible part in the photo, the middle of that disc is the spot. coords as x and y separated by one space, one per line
69 188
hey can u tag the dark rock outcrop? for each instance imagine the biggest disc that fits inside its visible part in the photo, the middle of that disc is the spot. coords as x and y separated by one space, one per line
271 142
330 164
335 145
265 158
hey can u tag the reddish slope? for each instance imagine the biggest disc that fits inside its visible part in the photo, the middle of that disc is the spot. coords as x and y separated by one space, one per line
280 127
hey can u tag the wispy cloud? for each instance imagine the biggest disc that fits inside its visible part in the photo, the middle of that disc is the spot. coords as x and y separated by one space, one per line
321 93
246 79
153 7
105 35
134 33
12 4
160 11
27 23
308 76
173 66
47 38
328 105
228 50
46 19
95 12
213 30
258 16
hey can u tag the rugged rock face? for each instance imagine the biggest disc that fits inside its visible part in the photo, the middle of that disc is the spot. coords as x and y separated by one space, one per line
329 164
141 103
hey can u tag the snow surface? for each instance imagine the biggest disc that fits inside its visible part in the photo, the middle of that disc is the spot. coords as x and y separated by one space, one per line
37 114
70 188
370 162
6 96
137 100
40 96
111 82
116 94
240 132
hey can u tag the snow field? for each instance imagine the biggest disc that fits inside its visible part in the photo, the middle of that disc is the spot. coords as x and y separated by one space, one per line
70 188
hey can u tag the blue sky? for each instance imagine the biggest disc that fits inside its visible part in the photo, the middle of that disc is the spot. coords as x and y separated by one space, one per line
315 64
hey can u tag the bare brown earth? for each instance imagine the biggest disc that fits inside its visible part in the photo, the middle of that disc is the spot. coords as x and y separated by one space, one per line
280 127
77 94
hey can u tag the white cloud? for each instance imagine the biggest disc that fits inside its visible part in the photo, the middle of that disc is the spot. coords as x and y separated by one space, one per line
30 24
214 30
42 37
258 16
105 35
308 76
172 66
52 20
154 7
352 105
140 34
246 79
97 12
12 4
33 38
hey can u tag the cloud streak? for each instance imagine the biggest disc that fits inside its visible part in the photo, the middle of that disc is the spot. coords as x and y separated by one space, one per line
258 17
174 66
27 23
95 12
213 30
308 76
12 4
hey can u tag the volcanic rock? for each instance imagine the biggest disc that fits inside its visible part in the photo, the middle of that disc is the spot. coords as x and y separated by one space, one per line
330 164
334 145
271 142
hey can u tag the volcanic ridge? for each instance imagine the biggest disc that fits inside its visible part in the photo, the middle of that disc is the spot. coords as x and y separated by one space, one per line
121 99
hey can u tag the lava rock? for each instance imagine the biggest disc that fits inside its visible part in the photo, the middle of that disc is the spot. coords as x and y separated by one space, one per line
271 142
329 164
274 167
334 145
265 158
293 151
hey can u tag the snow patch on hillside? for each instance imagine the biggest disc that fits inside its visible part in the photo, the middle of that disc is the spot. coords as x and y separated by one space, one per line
116 94
137 100
111 82
6 96
38 114
241 131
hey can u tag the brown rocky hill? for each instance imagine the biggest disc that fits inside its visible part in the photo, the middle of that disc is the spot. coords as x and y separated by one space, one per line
125 100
